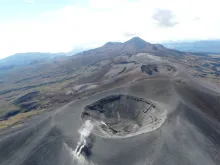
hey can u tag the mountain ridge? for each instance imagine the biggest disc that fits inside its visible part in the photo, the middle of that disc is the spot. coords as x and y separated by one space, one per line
108 50
133 45
203 46
21 59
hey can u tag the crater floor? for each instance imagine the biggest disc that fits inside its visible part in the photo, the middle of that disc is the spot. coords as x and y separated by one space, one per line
123 116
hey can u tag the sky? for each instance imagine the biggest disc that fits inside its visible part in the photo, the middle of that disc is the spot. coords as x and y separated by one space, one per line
64 25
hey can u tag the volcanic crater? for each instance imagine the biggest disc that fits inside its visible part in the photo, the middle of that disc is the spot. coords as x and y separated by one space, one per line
123 116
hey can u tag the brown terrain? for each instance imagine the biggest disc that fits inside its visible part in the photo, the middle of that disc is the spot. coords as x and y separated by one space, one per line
130 103
48 85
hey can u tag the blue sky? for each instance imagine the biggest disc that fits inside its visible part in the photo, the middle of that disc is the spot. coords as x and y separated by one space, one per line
62 25
14 9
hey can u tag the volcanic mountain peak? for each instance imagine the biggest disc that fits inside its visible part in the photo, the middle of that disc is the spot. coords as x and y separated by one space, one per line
136 39
134 45
137 42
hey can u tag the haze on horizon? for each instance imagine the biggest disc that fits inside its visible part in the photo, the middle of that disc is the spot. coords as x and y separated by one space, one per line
60 26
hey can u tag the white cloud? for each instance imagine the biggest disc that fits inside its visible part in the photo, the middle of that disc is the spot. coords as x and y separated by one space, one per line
164 18
109 20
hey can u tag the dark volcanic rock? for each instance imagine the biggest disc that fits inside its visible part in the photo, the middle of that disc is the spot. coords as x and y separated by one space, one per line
28 102
170 68
10 114
149 69
154 69
27 97
28 106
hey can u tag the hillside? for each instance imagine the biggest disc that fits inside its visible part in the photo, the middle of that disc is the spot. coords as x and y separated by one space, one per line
48 84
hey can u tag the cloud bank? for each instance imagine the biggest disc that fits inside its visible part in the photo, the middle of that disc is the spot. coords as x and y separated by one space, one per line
99 21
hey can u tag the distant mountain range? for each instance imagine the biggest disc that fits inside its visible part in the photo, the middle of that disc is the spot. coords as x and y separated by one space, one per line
206 46
21 59
110 49
134 45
